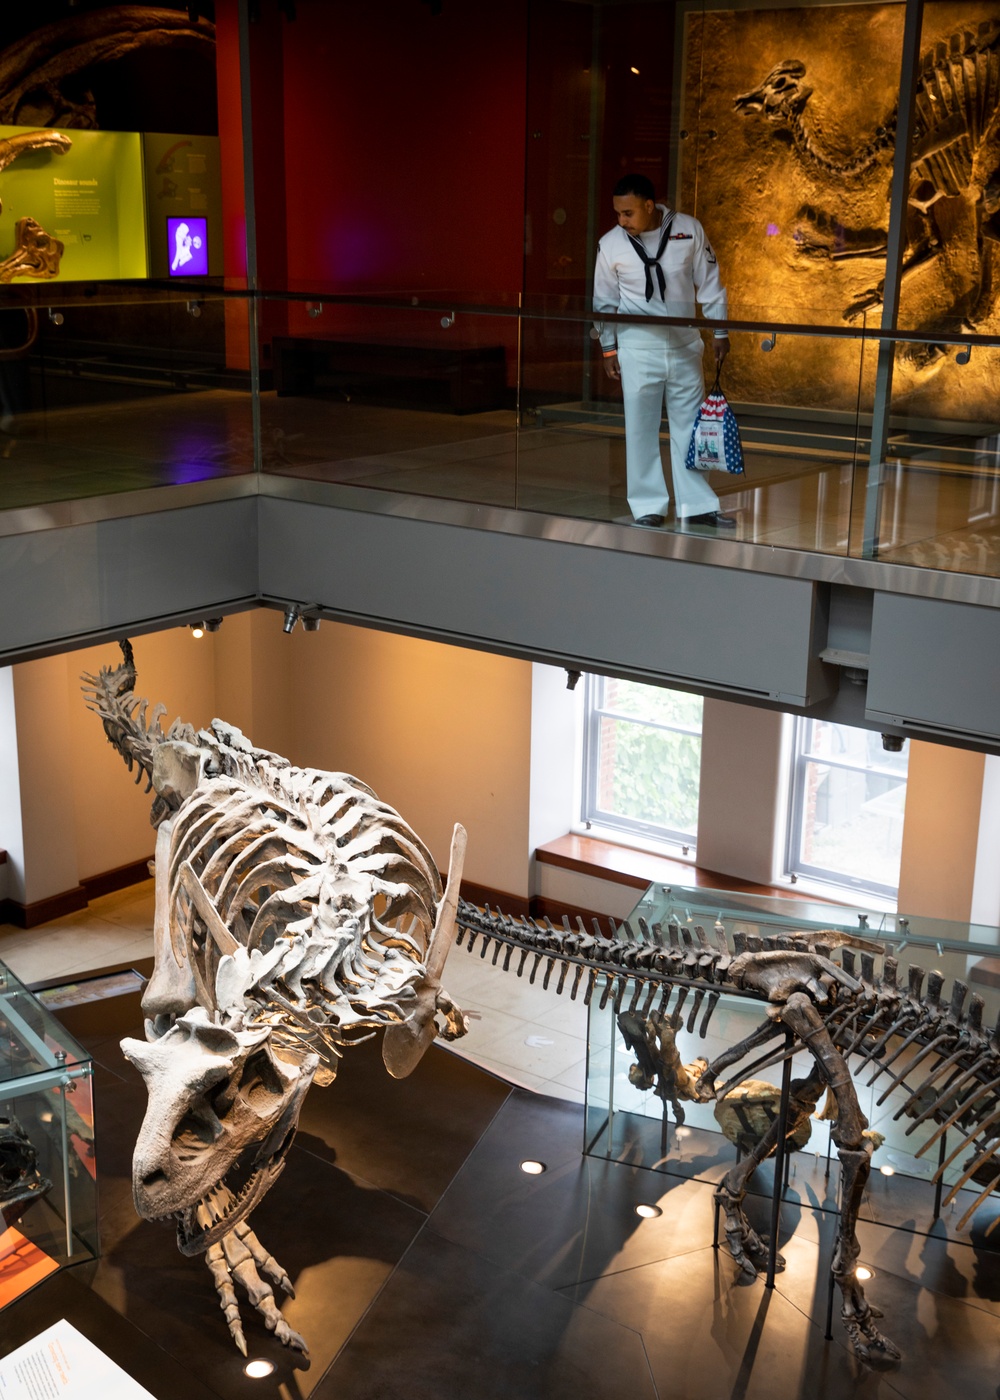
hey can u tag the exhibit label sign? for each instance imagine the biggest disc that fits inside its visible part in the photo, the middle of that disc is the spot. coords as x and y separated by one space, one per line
89 197
62 1362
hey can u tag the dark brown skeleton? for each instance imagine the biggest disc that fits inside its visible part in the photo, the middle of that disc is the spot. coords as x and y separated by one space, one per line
936 1051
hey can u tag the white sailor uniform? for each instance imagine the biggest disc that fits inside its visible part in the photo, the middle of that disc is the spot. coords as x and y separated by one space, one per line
660 363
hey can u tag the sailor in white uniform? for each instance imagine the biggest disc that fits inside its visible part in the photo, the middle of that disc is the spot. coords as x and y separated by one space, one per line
657 262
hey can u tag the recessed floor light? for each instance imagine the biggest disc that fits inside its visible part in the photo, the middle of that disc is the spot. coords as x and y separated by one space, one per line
887 1170
647 1211
257 1370
864 1273
533 1168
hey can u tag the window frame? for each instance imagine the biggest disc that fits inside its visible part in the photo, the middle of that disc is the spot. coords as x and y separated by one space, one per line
795 866
591 814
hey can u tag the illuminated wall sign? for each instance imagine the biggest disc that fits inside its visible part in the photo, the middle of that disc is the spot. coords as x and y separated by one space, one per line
90 198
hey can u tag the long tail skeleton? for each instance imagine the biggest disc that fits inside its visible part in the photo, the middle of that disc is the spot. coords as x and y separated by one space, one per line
935 1052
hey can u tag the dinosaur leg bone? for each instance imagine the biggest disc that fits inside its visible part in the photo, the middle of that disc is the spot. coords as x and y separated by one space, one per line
743 1241
802 1018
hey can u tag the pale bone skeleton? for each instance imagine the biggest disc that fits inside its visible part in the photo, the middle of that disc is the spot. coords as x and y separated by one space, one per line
266 965
295 915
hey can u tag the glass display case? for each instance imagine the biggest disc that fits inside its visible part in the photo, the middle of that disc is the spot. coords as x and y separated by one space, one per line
48 1169
625 1121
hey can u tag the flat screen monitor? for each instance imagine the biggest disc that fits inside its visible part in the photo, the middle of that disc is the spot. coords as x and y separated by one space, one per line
187 246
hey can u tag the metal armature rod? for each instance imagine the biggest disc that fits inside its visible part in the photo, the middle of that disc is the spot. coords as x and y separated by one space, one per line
899 199
779 1165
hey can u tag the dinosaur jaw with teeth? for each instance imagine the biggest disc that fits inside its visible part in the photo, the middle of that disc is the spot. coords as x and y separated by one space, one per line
223 1207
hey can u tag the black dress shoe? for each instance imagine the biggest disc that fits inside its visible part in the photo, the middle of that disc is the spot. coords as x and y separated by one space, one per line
712 517
651 520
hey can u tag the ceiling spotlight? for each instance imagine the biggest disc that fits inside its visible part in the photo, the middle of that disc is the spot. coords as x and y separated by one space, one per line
635 71
212 624
533 1168
291 618
256 1370
311 624
864 1273
647 1211
197 629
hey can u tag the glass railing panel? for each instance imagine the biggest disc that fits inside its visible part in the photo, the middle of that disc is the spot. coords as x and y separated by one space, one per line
796 399
399 397
121 391
939 505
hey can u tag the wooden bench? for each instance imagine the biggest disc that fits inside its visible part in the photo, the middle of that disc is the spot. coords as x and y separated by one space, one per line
460 378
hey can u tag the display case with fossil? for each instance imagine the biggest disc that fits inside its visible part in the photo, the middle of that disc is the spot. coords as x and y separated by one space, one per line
647 1056
48 1170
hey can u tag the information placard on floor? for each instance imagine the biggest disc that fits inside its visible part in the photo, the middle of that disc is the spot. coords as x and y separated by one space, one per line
61 1362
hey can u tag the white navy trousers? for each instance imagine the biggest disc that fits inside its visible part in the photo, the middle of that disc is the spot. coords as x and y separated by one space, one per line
656 369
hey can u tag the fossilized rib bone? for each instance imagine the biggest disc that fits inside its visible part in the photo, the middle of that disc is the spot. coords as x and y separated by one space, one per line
830 1008
37 72
296 915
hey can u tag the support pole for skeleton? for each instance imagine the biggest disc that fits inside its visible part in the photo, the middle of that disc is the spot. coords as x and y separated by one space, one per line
779 1167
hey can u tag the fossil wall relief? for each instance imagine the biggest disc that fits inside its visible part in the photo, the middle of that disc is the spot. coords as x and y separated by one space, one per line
790 127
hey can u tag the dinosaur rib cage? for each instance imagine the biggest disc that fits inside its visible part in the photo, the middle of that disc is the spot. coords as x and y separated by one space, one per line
957 97
935 1051
293 855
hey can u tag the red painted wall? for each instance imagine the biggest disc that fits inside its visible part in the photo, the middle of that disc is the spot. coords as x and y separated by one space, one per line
404 146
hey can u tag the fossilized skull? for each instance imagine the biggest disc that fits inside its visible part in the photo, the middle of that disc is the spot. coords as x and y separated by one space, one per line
223 1108
781 95
20 1180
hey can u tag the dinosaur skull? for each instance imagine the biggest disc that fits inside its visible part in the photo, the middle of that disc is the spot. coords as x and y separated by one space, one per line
781 95
222 1113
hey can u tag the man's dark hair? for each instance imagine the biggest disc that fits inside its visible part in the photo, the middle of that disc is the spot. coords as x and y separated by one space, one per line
640 185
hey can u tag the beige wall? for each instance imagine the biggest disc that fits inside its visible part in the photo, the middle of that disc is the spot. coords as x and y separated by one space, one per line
944 798
441 733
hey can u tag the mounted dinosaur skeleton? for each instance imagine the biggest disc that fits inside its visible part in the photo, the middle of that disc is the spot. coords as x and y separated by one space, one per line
955 156
296 915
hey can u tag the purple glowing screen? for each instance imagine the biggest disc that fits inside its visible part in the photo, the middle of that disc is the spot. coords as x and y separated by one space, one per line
187 247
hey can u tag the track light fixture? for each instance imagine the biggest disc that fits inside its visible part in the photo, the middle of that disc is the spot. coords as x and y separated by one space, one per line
300 612
207 624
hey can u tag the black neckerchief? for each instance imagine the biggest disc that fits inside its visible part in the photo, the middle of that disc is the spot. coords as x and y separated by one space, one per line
650 263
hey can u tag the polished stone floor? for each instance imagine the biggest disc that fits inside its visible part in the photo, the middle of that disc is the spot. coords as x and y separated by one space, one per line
426 1264
802 489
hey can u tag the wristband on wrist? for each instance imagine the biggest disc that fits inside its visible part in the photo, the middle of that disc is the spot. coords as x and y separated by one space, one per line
609 353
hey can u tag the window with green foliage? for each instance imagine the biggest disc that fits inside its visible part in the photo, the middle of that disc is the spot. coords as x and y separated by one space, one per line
642 759
848 794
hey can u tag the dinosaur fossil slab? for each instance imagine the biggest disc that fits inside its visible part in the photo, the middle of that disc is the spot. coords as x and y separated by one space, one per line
787 160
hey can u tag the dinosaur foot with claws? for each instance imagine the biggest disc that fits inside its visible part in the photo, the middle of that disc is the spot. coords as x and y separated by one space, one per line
239 1257
749 1250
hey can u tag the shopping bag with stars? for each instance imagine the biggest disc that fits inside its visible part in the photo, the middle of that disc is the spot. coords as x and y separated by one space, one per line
715 439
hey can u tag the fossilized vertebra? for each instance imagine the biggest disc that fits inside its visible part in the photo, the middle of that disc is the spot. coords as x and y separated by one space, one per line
296 915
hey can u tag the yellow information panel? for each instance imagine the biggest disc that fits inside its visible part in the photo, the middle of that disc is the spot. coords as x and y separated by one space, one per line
90 197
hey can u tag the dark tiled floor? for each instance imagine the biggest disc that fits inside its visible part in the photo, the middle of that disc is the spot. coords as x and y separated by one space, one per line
428 1266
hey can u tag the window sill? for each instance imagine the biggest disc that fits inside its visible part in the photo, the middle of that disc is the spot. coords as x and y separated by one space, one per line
625 865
